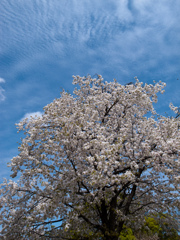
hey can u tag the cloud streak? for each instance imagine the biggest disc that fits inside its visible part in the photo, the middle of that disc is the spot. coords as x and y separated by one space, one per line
2 96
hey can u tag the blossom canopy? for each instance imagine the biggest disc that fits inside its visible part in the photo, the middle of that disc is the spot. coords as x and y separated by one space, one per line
93 162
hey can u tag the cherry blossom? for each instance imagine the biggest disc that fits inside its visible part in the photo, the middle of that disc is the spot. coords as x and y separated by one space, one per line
94 161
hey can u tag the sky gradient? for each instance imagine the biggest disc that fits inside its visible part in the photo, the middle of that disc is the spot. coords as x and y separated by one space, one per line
43 43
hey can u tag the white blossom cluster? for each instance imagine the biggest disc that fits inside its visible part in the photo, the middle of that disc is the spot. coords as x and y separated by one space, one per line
91 163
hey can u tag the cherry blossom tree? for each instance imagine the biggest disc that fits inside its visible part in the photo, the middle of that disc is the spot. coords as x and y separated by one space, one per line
95 161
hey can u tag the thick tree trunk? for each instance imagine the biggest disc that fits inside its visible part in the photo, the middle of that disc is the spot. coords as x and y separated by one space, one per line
113 232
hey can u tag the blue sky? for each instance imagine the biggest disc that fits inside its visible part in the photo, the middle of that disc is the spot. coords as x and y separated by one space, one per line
43 43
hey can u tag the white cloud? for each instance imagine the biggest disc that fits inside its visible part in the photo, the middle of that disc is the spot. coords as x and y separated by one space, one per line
32 114
2 80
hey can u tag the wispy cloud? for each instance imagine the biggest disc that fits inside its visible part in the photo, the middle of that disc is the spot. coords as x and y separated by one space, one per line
118 30
148 39
2 97
131 34
31 115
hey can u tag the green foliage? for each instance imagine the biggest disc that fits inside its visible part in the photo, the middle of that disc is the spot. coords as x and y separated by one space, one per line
153 225
127 234
158 225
